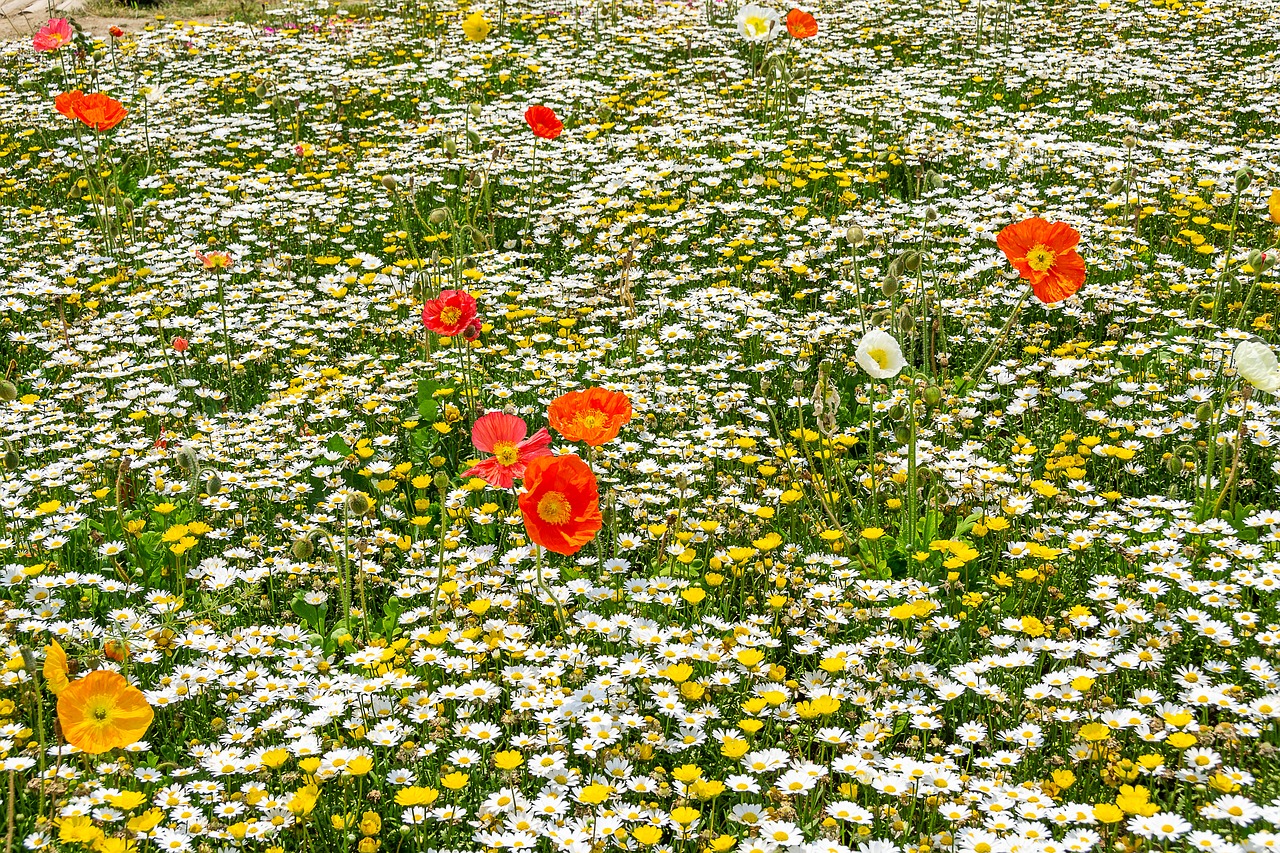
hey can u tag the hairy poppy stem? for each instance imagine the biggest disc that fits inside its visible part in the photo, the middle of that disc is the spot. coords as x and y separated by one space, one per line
981 366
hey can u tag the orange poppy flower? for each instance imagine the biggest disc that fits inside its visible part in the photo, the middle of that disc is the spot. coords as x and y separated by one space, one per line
801 25
1045 254
560 503
543 122
56 667
99 111
593 416
102 711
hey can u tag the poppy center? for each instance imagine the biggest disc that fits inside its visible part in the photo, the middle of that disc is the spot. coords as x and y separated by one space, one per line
554 508
590 419
449 315
880 357
100 713
506 452
1040 258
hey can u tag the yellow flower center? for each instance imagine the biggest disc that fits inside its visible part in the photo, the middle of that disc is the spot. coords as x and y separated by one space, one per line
880 356
506 452
1040 258
590 419
450 315
757 25
554 508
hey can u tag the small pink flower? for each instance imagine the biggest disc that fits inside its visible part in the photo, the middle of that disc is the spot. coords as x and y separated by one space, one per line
503 435
52 35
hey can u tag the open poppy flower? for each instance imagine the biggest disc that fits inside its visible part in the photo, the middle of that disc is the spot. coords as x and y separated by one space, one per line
593 416
450 313
52 35
100 112
1045 253
102 711
56 667
801 25
64 102
560 503
503 435
543 122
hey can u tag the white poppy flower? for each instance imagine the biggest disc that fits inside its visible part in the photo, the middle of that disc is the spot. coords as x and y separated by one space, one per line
879 355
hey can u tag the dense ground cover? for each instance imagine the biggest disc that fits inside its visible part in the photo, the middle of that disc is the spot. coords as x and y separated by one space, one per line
1019 596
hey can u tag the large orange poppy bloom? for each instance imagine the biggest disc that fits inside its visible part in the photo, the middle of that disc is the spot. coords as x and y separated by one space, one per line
100 112
593 416
102 711
1045 253
560 503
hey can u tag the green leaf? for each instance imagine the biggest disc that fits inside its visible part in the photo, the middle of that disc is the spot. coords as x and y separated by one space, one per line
428 406
337 444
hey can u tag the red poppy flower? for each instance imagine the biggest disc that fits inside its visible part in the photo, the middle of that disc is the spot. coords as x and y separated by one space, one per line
98 111
64 102
560 503
543 122
116 32
181 344
801 25
593 416
1045 254
503 435
450 313
52 35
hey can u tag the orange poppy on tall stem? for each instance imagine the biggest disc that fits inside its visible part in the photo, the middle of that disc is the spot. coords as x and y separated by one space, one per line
593 416
103 711
801 25
100 112
543 122
1045 253
560 503
64 102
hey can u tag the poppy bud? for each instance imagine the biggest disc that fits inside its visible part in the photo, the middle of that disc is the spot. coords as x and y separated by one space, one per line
879 318
441 480
906 322
76 192
1204 412
1173 464
8 391
1255 261
358 504
856 236
260 90
1244 177
471 332
935 180
1116 186
11 459
124 484
1130 141
889 286
902 433
450 145
390 183
931 214
766 384
475 110
187 458
911 261
473 138
897 412
438 216
932 395
303 549
213 484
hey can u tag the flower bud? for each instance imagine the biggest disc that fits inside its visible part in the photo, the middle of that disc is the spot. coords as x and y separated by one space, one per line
856 236
1130 142
389 181
441 480
897 412
1204 412
8 391
889 287
906 320
935 180
766 385
1115 186
1173 465
911 261
358 504
187 458
932 396
438 216
450 145
260 90
930 214
213 485
1244 177
475 110
11 459
303 549
1255 261
902 433
879 318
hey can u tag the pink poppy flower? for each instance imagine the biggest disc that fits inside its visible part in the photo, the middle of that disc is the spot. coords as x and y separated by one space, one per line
503 435
52 35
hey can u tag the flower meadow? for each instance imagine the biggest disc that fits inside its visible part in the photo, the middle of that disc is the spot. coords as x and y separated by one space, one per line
642 426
